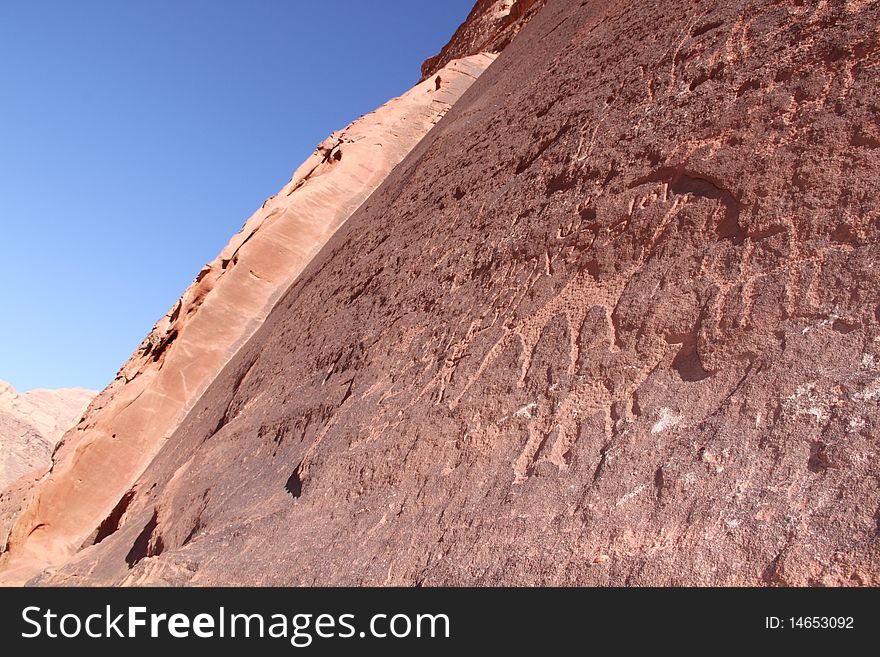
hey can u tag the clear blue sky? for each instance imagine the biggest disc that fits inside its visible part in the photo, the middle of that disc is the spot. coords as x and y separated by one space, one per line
137 137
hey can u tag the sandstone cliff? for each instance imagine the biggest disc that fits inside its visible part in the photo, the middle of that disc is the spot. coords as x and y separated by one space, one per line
615 320
103 456
31 424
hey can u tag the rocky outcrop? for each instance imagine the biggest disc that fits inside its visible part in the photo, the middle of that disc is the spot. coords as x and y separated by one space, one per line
615 320
490 27
130 421
31 424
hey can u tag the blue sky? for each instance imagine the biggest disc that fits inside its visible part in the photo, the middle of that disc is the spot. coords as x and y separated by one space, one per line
137 137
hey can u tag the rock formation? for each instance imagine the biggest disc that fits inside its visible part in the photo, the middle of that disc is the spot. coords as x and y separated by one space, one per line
490 27
104 455
31 424
615 320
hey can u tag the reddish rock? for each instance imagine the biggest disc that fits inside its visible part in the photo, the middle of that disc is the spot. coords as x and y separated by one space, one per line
615 320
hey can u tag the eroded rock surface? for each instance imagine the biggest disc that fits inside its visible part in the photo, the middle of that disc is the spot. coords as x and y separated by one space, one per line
616 320
130 421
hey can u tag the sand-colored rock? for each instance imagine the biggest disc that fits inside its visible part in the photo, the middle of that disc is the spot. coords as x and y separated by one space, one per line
128 424
32 423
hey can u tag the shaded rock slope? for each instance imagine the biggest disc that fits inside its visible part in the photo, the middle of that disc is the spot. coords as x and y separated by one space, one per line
31 424
613 321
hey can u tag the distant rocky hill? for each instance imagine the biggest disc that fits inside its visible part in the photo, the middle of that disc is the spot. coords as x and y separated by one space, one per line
32 423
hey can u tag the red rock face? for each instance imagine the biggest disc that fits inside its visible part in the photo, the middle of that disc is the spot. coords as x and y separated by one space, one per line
613 321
